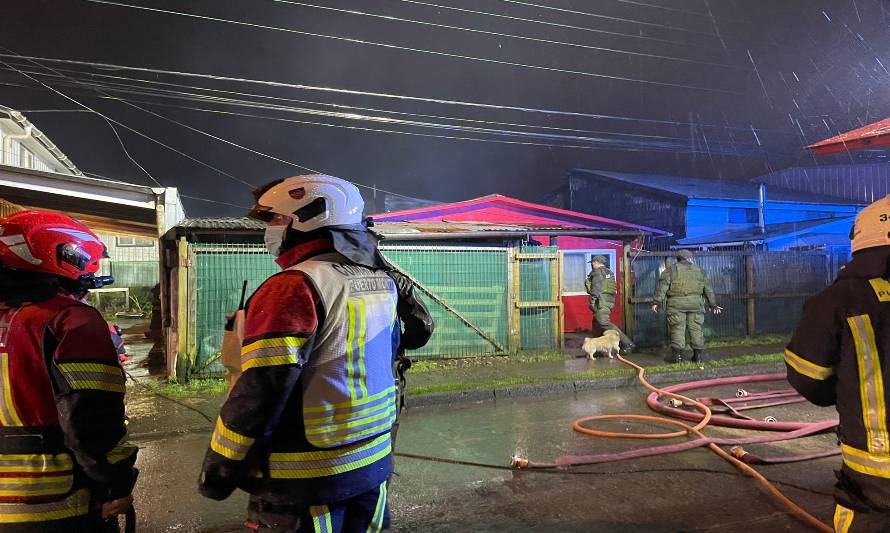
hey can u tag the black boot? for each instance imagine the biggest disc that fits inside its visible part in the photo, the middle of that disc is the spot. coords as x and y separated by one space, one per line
676 357
697 356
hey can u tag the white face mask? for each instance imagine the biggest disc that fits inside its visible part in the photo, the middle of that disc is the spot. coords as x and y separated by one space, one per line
273 238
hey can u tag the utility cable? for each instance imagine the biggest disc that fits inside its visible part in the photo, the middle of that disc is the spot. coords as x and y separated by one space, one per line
418 50
110 120
543 22
607 17
129 88
127 153
508 35
401 97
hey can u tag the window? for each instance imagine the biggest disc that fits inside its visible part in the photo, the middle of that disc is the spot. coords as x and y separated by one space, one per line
742 215
576 266
134 242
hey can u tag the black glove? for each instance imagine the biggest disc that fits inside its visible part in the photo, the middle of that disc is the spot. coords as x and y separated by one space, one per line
217 480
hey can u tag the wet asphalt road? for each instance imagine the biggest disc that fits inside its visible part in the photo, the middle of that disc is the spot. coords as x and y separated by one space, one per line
659 494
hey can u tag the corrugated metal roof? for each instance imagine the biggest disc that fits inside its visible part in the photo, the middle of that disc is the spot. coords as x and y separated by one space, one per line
860 183
753 234
701 188
440 228
222 223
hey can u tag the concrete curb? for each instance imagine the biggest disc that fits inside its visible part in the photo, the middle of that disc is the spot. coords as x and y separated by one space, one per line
549 388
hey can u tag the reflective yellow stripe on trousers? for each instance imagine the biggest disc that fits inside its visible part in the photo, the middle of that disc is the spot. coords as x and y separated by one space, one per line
8 415
321 519
871 384
77 504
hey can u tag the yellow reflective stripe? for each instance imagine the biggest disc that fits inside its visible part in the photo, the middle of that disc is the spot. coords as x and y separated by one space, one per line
277 342
327 471
321 455
321 519
355 423
335 440
75 505
274 360
376 524
350 354
861 461
111 370
807 368
882 289
35 463
123 450
94 376
871 384
349 403
344 416
843 519
362 326
228 443
8 414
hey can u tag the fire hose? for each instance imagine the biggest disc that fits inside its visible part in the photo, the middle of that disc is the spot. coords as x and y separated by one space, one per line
701 419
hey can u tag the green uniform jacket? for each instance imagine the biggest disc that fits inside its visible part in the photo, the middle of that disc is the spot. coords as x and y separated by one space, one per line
600 285
683 286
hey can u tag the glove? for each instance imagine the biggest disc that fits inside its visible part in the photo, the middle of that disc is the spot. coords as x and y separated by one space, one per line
217 480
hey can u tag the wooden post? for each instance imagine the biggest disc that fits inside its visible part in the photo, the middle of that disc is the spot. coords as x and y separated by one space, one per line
515 338
556 297
192 349
182 308
749 290
627 291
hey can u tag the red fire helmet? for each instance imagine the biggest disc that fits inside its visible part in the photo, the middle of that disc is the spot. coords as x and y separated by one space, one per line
48 242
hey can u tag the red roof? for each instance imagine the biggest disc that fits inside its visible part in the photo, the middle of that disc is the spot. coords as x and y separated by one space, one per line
502 209
876 134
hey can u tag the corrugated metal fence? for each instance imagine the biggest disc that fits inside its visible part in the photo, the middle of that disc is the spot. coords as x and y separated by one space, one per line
760 292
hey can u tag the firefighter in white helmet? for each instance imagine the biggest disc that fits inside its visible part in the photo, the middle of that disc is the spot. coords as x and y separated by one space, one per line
840 355
306 429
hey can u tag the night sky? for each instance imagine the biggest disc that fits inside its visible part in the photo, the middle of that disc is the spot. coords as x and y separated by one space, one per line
726 89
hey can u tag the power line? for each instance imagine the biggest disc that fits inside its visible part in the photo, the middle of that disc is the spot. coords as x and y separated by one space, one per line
180 193
607 17
509 35
419 50
107 120
354 116
542 22
110 120
615 145
401 97
167 93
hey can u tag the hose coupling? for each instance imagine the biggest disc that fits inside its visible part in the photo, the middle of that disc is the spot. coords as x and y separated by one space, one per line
518 461
674 402
738 452
741 393
770 419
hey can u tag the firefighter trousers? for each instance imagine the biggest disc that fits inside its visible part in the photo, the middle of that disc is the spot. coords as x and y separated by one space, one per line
366 512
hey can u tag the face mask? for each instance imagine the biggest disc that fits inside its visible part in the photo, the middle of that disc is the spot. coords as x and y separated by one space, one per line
273 239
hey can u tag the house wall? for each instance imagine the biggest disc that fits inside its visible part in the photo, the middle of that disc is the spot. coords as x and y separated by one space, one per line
19 155
708 217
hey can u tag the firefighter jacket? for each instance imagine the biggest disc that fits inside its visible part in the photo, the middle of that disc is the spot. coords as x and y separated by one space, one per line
310 416
840 355
62 427
684 285
600 285
415 318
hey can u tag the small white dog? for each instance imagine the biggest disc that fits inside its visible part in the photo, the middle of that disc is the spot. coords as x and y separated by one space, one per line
609 344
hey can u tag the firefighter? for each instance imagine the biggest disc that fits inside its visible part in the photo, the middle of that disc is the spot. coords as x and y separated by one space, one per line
306 429
67 465
840 355
601 289
686 289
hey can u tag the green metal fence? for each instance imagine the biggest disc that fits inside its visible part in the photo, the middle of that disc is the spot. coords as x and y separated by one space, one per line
465 287
469 291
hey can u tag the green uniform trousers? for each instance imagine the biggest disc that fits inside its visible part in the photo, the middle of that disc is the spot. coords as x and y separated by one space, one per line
682 322
602 318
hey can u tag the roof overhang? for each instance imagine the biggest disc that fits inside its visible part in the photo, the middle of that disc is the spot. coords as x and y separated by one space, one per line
30 182
870 136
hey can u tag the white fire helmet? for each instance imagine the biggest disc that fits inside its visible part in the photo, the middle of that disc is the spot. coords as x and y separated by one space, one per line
872 227
313 201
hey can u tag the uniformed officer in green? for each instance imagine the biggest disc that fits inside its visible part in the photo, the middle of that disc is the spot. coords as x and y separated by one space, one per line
600 285
686 288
